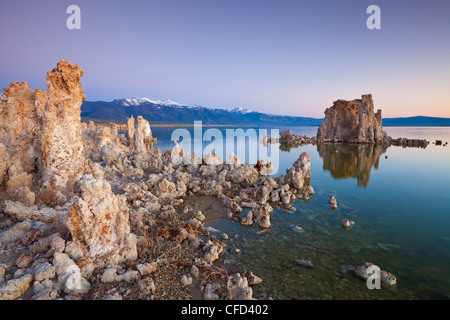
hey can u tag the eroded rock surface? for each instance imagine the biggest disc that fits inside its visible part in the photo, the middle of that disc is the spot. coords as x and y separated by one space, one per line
41 131
352 121
99 221
87 203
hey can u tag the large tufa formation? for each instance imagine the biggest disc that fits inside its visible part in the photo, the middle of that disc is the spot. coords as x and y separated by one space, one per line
352 121
41 135
98 223
122 187
140 136
44 153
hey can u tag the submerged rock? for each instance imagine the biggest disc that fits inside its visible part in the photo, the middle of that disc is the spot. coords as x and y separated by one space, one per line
332 201
296 228
305 263
347 223
374 272
252 279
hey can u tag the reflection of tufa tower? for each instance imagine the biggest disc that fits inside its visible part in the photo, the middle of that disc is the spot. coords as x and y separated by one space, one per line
346 160
352 121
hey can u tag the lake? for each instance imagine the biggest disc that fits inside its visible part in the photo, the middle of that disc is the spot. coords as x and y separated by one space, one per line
399 199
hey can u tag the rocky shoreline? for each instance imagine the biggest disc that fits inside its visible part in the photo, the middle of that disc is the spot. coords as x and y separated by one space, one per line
288 140
348 122
98 212
85 208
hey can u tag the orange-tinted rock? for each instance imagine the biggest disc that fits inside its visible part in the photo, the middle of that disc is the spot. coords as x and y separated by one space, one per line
42 133
352 121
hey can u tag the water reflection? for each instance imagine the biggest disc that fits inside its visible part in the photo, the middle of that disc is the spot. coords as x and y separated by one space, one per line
346 160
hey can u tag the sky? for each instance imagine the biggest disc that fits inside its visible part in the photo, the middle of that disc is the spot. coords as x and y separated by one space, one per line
289 57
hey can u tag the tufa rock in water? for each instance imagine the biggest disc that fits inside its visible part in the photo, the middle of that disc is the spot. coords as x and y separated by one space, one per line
352 121
332 201
347 223
371 270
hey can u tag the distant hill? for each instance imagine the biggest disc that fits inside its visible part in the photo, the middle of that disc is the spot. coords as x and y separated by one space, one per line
419 121
171 112
168 111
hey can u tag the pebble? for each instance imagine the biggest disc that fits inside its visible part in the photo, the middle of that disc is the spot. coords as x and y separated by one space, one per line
186 280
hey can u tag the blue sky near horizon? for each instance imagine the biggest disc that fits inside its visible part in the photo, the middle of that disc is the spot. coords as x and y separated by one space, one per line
288 57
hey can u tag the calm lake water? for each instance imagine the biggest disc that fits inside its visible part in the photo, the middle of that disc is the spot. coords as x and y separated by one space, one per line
400 205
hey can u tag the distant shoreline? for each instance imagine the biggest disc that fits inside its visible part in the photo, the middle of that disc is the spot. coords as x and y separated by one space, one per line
157 125
173 124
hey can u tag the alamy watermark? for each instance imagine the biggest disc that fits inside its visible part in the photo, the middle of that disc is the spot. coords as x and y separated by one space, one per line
374 278
74 20
374 21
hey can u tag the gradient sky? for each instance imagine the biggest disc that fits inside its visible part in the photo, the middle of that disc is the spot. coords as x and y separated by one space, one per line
283 56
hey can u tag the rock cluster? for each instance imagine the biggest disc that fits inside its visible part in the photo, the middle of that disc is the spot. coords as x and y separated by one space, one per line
347 121
405 142
85 203
289 140
373 271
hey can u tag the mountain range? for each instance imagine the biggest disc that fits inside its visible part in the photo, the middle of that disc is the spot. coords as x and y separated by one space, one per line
168 111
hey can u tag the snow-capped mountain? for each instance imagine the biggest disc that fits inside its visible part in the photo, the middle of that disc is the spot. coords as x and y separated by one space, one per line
169 111
168 103
241 110
128 102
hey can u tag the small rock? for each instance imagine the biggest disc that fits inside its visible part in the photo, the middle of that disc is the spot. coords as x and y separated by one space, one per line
147 268
186 280
109 275
15 288
199 215
347 223
194 271
46 294
210 291
296 228
146 286
252 279
238 288
44 271
58 244
24 260
115 296
69 275
332 201
387 278
305 263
